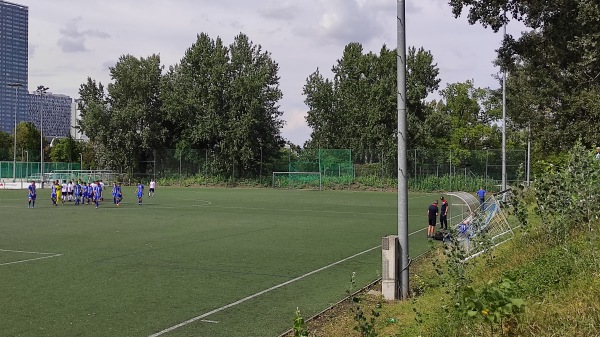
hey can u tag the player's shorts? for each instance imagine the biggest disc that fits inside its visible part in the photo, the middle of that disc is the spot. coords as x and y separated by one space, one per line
151 190
32 196
139 195
432 222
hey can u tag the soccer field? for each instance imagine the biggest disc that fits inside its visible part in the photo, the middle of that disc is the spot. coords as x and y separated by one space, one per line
190 262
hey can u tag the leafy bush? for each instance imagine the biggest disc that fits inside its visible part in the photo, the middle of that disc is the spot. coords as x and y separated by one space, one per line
567 196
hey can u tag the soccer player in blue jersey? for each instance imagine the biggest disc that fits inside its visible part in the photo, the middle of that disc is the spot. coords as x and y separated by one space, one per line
115 192
97 194
119 194
84 192
53 193
140 192
88 196
77 192
32 195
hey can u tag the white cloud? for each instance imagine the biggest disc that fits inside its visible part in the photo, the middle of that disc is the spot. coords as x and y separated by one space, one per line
296 129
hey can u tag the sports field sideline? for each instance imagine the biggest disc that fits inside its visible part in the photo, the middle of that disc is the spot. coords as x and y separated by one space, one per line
190 262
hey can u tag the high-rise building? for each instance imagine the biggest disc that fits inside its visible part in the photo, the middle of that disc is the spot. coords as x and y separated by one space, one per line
75 118
55 109
13 64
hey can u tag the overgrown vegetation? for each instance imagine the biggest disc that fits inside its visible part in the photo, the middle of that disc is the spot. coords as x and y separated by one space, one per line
544 282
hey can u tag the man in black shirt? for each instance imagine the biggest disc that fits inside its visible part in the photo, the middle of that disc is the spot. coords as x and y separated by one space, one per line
432 214
444 214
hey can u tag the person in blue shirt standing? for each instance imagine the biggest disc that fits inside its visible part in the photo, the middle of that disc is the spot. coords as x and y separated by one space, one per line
84 193
481 195
116 192
140 192
97 194
32 195
53 193
119 194
77 192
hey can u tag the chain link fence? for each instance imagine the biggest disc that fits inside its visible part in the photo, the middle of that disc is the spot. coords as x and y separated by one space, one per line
31 170
486 164
483 164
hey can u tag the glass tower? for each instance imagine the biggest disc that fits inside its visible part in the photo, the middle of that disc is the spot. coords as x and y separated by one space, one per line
13 64
56 110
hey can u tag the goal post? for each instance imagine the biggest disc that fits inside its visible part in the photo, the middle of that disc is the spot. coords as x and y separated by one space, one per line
304 180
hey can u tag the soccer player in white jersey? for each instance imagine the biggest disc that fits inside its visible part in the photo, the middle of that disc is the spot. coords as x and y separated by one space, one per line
70 191
152 187
64 191
101 183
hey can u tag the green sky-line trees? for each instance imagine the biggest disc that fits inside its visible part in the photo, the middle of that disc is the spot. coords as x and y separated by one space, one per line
218 98
554 68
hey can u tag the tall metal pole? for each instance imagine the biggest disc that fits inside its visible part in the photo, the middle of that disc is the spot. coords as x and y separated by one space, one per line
402 152
528 153
27 164
42 90
504 122
16 86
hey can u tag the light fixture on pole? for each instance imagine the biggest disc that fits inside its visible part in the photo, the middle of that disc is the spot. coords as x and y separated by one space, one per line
16 86
41 90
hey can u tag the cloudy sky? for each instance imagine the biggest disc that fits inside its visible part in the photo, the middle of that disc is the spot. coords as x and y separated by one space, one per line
70 40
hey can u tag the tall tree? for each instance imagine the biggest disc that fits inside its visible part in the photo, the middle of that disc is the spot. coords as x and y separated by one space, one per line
321 117
254 124
126 123
65 150
6 142
351 89
554 67
194 93
421 80
358 108
473 114
136 122
95 121
225 99
28 139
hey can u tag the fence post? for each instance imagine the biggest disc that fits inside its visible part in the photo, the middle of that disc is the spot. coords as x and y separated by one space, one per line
486 163
261 164
450 173
415 158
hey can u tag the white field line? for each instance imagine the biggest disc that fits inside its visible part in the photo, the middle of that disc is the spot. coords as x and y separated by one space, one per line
46 256
191 320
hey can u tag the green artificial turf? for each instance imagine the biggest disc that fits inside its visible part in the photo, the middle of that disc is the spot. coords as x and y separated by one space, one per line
137 270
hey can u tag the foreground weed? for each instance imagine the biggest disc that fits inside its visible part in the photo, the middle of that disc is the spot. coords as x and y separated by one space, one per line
494 304
365 325
300 329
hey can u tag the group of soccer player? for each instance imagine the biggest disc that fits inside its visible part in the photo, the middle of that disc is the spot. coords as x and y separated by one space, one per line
85 193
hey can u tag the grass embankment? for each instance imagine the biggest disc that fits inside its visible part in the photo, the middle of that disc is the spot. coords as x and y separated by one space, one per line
559 281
